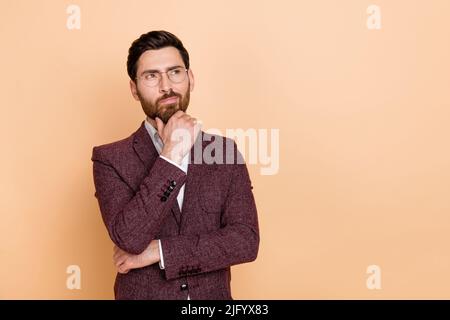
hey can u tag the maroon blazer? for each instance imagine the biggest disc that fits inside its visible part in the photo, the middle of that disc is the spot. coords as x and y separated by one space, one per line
217 228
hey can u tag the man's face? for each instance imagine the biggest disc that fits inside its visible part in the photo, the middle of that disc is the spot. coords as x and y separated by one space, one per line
167 97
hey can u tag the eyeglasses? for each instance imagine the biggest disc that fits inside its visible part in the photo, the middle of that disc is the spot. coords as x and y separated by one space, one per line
152 79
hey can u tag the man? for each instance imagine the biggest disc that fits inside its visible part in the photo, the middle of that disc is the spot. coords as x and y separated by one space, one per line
177 223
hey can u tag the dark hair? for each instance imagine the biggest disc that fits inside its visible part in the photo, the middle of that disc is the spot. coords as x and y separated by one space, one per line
153 40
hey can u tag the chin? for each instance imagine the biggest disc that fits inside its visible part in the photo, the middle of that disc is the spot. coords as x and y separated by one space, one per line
166 116
171 109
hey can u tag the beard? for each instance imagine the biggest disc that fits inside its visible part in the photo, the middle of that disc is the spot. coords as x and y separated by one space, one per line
164 112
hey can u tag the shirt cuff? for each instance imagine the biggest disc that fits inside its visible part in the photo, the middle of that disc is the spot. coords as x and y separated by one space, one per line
174 163
161 258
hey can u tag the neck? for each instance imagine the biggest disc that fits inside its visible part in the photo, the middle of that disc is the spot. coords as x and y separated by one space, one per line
152 122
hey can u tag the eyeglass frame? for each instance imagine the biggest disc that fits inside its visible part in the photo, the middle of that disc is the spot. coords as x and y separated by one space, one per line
161 73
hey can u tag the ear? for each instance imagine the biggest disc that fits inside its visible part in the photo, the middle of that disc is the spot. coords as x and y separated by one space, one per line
191 79
133 89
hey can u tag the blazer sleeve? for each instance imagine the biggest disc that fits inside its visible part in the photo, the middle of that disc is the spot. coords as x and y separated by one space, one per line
236 242
132 218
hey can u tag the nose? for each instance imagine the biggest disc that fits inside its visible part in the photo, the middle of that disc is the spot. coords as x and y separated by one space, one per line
164 84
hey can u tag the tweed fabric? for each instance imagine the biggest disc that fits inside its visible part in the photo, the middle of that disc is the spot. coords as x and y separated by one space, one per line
217 228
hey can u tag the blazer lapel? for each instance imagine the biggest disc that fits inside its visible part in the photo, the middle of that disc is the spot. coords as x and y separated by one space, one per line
144 147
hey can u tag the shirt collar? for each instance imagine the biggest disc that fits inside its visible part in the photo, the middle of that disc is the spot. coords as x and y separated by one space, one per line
154 136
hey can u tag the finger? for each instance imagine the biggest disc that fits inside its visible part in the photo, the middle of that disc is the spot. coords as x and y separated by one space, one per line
178 114
197 129
197 125
118 254
117 258
159 126
122 270
117 264
186 118
124 267
120 260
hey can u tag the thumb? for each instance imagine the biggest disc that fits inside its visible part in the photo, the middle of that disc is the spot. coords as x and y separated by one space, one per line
159 127
197 128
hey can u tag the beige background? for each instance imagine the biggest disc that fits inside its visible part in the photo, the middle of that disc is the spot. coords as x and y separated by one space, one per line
363 116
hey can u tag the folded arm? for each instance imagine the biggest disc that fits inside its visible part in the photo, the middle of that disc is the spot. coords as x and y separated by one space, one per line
132 218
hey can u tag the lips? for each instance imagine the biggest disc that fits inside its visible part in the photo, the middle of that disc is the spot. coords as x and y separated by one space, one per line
169 100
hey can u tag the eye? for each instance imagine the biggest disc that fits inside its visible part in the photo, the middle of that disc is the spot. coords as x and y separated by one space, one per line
150 76
175 71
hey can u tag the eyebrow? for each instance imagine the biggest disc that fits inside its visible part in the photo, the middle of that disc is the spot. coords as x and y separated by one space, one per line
156 70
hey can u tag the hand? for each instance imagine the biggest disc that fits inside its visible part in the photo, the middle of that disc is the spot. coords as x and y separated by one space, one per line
125 261
178 135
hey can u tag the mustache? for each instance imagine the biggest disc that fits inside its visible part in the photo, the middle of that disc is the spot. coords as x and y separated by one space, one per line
169 95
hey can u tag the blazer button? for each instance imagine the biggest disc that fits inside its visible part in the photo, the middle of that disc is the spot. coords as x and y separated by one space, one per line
184 286
166 193
173 183
163 199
